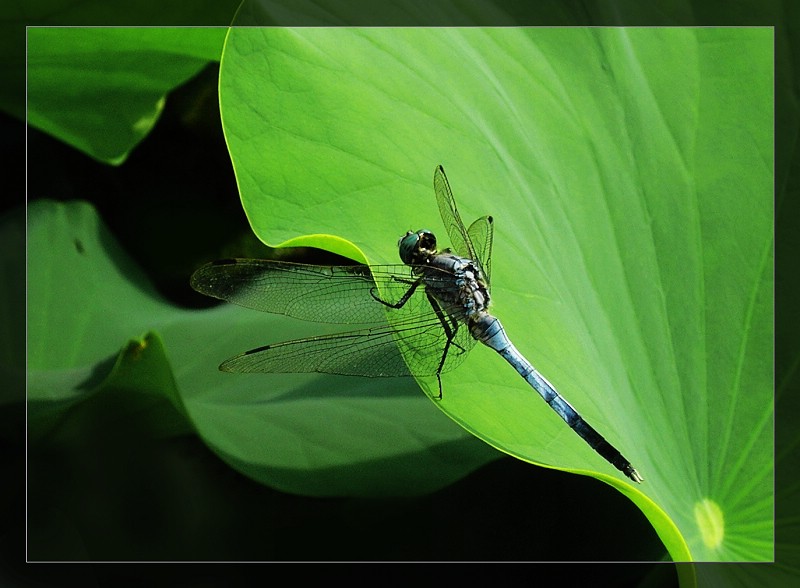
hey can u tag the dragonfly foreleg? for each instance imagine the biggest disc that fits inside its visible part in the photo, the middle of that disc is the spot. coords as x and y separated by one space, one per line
409 293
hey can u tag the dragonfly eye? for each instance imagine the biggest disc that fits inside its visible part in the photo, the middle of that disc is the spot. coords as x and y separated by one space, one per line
411 244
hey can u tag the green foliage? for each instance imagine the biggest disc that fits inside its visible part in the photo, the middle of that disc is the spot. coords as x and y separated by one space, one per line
299 435
629 173
82 81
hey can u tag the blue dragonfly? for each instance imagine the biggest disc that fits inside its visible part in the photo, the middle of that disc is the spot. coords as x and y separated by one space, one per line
433 308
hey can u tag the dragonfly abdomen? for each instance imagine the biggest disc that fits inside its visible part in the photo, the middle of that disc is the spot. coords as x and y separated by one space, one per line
488 330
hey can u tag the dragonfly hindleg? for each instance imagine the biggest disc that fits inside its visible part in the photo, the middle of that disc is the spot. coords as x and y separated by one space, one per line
450 326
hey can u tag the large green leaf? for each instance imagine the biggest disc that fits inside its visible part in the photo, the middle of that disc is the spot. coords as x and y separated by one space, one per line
629 172
101 90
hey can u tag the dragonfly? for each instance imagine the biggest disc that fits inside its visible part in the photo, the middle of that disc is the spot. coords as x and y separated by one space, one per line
433 308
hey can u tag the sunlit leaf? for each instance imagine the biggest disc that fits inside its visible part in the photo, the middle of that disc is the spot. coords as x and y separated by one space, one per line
629 172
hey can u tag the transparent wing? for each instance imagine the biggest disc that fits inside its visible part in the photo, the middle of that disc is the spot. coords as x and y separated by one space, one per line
459 239
343 295
475 244
328 294
481 233
373 352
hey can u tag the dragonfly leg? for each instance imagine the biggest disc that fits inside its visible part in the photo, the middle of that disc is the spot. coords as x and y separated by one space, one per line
450 326
449 323
399 304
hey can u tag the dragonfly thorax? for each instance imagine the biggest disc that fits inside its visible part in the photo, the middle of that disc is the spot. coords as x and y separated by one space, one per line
457 283
417 247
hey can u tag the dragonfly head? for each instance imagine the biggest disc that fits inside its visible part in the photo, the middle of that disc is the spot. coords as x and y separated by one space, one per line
415 248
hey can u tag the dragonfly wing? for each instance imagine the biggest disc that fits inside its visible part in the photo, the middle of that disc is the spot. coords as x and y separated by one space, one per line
475 243
372 352
329 294
481 233
456 230
368 352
